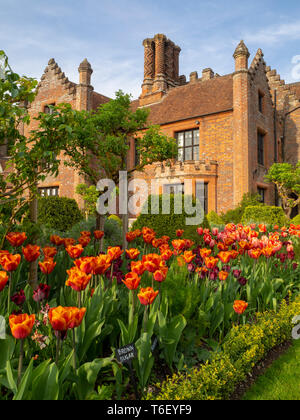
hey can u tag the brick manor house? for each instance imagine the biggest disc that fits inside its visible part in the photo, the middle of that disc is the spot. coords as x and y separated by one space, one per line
230 129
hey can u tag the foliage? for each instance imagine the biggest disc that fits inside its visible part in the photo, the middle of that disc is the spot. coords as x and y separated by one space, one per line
244 347
168 224
235 215
270 215
296 220
286 177
59 213
90 196
214 219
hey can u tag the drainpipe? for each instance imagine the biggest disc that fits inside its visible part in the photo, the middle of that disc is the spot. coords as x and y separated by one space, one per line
284 129
275 143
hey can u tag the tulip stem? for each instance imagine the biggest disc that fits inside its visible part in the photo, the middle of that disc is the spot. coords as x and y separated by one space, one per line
79 300
57 347
145 318
74 351
9 293
20 361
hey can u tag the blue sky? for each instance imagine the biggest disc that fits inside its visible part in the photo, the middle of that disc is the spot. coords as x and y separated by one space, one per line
110 34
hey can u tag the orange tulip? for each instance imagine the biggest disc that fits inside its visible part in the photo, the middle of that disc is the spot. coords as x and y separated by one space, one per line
178 244
10 262
255 253
151 262
3 280
132 253
179 233
132 281
167 254
56 240
240 306
21 325
114 253
161 274
130 236
84 241
49 252
75 251
86 264
69 242
205 253
225 257
138 267
188 256
101 264
148 238
147 296
211 262
16 239
31 253
65 318
85 233
98 234
77 279
47 266
223 275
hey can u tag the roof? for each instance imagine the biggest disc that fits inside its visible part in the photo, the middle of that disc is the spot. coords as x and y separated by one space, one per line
192 100
99 99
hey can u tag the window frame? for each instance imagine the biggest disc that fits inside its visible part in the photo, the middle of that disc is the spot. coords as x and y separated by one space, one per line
206 190
43 191
47 107
261 97
193 146
261 148
262 193
172 186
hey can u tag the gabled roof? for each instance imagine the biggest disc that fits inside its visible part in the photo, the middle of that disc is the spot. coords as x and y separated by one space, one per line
192 100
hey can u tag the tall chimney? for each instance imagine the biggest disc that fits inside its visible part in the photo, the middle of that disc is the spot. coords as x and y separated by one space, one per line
160 63
149 66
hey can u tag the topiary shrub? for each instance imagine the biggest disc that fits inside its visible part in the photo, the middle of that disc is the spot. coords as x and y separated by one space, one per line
270 215
296 220
59 213
235 215
168 224
214 219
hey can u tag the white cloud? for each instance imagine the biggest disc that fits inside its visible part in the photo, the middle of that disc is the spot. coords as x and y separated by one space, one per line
275 34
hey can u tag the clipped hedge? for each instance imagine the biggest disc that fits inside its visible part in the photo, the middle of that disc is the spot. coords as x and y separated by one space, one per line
168 224
245 346
59 213
269 215
214 219
296 220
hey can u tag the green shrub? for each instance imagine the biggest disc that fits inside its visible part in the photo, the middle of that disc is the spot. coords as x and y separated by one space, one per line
168 224
113 232
269 215
214 219
235 215
244 347
296 220
59 213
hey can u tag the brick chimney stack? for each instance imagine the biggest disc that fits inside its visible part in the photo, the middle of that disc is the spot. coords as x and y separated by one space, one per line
161 68
84 90
241 56
149 66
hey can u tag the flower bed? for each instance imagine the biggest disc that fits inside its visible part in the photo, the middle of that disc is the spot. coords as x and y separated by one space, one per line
243 348
172 301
